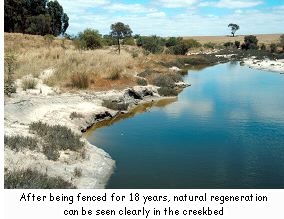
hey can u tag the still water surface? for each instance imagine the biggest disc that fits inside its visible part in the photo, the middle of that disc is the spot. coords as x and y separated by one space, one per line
225 131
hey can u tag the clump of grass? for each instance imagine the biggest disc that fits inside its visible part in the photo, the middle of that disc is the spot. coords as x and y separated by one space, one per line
29 83
75 115
50 81
56 138
10 65
77 172
167 91
167 80
18 143
80 80
115 75
147 73
141 82
114 105
32 179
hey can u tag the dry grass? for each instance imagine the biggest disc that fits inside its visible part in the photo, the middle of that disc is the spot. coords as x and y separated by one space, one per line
97 69
266 39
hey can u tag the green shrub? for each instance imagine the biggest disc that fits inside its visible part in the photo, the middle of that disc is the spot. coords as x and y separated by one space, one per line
228 44
263 47
129 41
90 39
273 47
209 45
10 66
18 143
115 105
56 138
250 42
80 80
167 80
141 82
134 54
173 41
237 44
167 91
32 179
29 83
153 44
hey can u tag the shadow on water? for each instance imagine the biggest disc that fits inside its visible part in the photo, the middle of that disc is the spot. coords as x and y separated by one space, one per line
141 108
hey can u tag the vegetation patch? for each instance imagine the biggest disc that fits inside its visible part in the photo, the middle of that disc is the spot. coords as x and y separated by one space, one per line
18 143
141 82
167 91
56 138
167 80
29 83
32 179
115 105
80 81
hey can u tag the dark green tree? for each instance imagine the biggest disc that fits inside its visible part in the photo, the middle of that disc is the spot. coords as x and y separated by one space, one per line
234 28
120 31
90 39
35 17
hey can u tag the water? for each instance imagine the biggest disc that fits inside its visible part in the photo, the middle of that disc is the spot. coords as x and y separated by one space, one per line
225 131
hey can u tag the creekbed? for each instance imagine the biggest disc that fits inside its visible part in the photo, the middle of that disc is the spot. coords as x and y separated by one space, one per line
225 131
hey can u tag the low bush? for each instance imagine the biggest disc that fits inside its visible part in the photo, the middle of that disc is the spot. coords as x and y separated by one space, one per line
90 39
147 73
115 105
273 47
56 138
141 82
167 80
263 47
29 83
32 179
237 44
228 44
167 91
77 172
250 42
80 80
18 143
74 115
209 45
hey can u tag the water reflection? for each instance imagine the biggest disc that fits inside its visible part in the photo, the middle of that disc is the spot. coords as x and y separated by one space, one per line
225 131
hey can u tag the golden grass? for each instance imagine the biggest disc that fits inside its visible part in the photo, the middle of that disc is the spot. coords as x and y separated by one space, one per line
104 68
266 39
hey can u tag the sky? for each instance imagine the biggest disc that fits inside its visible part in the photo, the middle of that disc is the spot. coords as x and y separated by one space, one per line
177 17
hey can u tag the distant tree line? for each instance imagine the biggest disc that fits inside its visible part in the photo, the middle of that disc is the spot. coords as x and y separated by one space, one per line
39 17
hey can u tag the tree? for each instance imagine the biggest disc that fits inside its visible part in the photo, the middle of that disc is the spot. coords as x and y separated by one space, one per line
234 28
120 31
273 47
90 39
35 17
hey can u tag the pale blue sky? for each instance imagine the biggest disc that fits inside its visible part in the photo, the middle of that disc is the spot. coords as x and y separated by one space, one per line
177 17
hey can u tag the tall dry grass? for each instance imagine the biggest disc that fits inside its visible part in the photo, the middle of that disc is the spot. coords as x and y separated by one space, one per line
101 68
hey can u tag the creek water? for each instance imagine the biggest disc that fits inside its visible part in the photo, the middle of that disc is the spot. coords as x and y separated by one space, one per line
225 131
